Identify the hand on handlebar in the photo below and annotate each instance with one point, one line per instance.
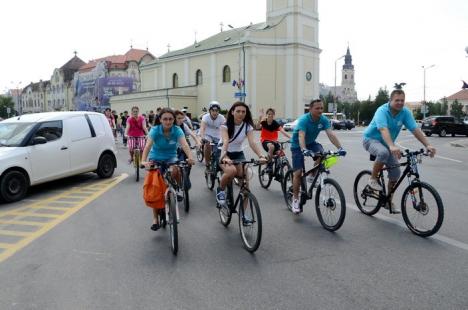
(190, 161)
(306, 152)
(341, 152)
(227, 160)
(263, 159)
(395, 151)
(431, 150)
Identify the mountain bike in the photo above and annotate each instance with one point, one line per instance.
(212, 169)
(279, 168)
(137, 152)
(421, 206)
(330, 203)
(247, 208)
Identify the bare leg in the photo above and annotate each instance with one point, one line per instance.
(376, 169)
(207, 153)
(296, 183)
(229, 172)
(155, 216)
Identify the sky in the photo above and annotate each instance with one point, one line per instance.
(390, 41)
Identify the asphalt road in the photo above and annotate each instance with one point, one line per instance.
(104, 256)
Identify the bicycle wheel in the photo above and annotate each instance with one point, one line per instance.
(172, 222)
(422, 209)
(330, 205)
(136, 162)
(367, 200)
(210, 178)
(288, 188)
(264, 177)
(225, 213)
(185, 188)
(250, 222)
(285, 167)
(200, 154)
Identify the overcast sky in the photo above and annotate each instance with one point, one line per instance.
(389, 40)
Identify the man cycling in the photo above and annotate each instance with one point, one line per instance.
(303, 143)
(210, 128)
(135, 131)
(381, 134)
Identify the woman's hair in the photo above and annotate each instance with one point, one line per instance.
(230, 118)
(179, 112)
(270, 110)
(135, 108)
(166, 110)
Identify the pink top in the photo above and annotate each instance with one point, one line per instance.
(135, 126)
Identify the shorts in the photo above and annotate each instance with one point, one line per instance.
(236, 156)
(265, 145)
(298, 157)
(163, 164)
(136, 142)
(383, 155)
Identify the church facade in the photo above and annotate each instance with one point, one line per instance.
(270, 64)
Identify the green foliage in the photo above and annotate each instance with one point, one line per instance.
(6, 102)
(457, 109)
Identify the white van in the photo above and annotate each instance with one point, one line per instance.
(41, 147)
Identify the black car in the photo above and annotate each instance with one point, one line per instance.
(443, 125)
(342, 124)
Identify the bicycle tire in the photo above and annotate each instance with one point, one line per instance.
(225, 214)
(136, 161)
(185, 191)
(200, 154)
(361, 190)
(285, 167)
(172, 223)
(264, 178)
(330, 205)
(410, 190)
(288, 188)
(255, 224)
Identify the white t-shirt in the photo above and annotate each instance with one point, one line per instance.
(213, 126)
(236, 144)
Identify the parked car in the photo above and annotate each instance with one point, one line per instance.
(443, 125)
(41, 147)
(342, 124)
(284, 121)
(465, 120)
(290, 126)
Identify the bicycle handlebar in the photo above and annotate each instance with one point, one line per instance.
(154, 165)
(323, 154)
(408, 153)
(243, 162)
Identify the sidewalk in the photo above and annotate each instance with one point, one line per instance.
(460, 143)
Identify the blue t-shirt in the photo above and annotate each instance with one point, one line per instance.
(383, 118)
(164, 148)
(311, 129)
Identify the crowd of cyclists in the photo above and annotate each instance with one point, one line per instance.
(163, 137)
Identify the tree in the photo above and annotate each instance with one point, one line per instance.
(382, 97)
(6, 102)
(444, 108)
(457, 109)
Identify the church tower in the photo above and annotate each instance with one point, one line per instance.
(348, 92)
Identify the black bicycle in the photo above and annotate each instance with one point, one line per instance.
(421, 205)
(246, 206)
(278, 169)
(211, 170)
(330, 203)
(200, 152)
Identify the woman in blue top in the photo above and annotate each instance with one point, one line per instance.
(162, 144)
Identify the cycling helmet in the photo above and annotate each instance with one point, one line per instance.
(214, 104)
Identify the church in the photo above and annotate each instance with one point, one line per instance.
(269, 64)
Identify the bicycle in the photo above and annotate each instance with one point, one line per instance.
(137, 152)
(200, 153)
(279, 169)
(170, 214)
(330, 203)
(211, 170)
(247, 208)
(369, 201)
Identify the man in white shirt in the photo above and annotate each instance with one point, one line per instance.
(210, 128)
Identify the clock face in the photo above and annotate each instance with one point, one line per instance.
(308, 76)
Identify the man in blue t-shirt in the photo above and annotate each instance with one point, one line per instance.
(303, 143)
(381, 134)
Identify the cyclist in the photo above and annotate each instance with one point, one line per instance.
(238, 127)
(187, 119)
(303, 143)
(180, 117)
(210, 128)
(135, 132)
(381, 134)
(162, 144)
(269, 134)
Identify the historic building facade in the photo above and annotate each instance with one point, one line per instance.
(270, 64)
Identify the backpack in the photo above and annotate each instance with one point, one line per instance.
(154, 189)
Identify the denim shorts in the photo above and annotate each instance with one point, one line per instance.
(298, 158)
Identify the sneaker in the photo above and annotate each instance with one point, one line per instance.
(295, 206)
(155, 227)
(247, 220)
(374, 184)
(180, 197)
(220, 196)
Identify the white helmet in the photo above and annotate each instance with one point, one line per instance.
(214, 104)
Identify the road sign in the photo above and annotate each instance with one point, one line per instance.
(8, 110)
(240, 95)
(331, 107)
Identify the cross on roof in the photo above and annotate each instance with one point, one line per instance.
(168, 47)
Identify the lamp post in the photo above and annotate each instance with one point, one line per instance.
(424, 89)
(243, 60)
(334, 96)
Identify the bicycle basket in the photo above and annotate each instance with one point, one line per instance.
(330, 161)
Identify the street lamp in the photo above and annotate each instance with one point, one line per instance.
(243, 59)
(424, 89)
(334, 97)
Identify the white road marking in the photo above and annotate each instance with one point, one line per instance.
(438, 237)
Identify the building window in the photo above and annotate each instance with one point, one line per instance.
(175, 80)
(199, 77)
(226, 74)
(345, 76)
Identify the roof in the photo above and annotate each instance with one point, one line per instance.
(461, 95)
(221, 39)
(117, 61)
(46, 116)
(71, 67)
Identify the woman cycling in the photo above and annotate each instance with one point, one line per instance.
(180, 118)
(135, 131)
(161, 147)
(238, 127)
(269, 134)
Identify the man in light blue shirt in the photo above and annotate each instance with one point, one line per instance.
(303, 143)
(381, 134)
